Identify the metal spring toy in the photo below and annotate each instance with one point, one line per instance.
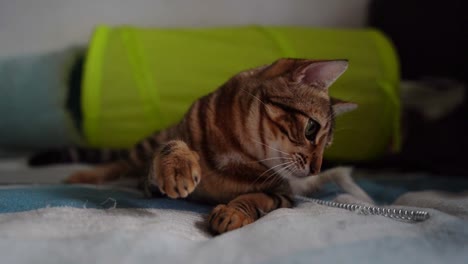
(404, 215)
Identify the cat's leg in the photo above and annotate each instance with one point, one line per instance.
(100, 174)
(245, 209)
(175, 169)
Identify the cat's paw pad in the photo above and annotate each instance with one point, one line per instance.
(176, 170)
(225, 218)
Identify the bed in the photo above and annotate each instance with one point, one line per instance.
(43, 221)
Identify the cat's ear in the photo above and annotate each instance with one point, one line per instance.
(340, 107)
(320, 74)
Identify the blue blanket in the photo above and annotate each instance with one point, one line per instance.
(88, 224)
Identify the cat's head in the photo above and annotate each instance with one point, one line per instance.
(291, 115)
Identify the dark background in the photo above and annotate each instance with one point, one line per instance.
(431, 38)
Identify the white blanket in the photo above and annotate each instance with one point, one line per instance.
(310, 233)
(36, 227)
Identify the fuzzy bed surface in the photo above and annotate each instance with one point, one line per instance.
(54, 223)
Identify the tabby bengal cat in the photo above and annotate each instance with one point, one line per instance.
(248, 146)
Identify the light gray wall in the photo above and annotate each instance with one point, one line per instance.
(42, 25)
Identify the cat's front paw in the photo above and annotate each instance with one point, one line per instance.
(225, 218)
(176, 170)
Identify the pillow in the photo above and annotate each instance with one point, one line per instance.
(33, 95)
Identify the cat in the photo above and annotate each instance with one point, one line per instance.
(247, 147)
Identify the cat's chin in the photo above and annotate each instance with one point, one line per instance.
(298, 176)
(306, 176)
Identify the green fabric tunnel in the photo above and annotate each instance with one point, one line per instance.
(138, 80)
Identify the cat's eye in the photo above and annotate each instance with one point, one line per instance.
(311, 130)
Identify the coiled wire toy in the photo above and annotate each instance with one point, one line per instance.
(404, 215)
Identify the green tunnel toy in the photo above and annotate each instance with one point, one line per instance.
(139, 80)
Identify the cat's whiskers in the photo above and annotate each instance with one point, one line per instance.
(274, 173)
(272, 176)
(295, 169)
(273, 158)
(276, 179)
(270, 147)
(291, 172)
(285, 168)
(272, 168)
